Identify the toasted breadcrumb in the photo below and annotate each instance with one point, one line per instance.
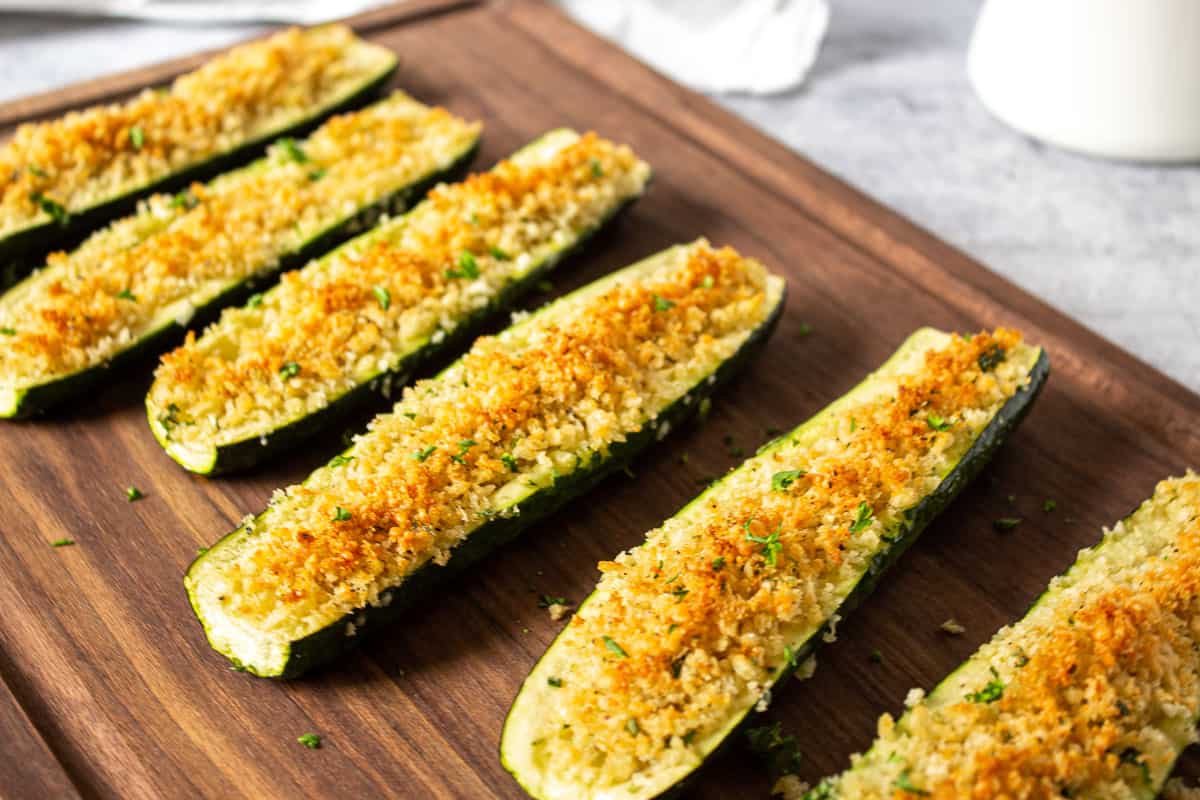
(707, 608)
(1094, 692)
(547, 398)
(102, 152)
(172, 257)
(345, 319)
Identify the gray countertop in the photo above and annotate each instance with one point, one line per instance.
(887, 107)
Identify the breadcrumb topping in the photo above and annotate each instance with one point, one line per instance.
(689, 630)
(346, 318)
(1092, 695)
(178, 253)
(90, 156)
(516, 413)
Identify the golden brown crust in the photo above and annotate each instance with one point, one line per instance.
(340, 319)
(690, 624)
(89, 303)
(88, 155)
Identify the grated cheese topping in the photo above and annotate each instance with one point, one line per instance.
(1092, 695)
(517, 412)
(90, 156)
(688, 631)
(178, 253)
(344, 319)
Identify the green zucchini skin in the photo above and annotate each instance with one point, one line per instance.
(252, 451)
(23, 250)
(331, 641)
(39, 398)
(973, 461)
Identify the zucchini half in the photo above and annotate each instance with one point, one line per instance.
(385, 303)
(62, 178)
(523, 423)
(687, 634)
(1093, 694)
(132, 287)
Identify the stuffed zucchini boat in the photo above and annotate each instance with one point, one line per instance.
(524, 422)
(61, 178)
(129, 288)
(1092, 695)
(686, 635)
(360, 320)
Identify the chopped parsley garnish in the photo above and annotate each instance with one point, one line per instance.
(498, 253)
(184, 199)
(778, 751)
(293, 150)
(992, 691)
(255, 300)
(468, 267)
(201, 551)
(597, 168)
(289, 370)
(1006, 523)
(463, 447)
(64, 542)
(770, 543)
(57, 212)
(508, 461)
(546, 601)
(383, 296)
(632, 727)
(804, 329)
(340, 514)
(137, 137)
(853, 424)
(555, 682)
(34, 169)
(938, 423)
(133, 494)
(1049, 505)
(317, 174)
(679, 593)
(662, 303)
(864, 518)
(614, 647)
(708, 282)
(310, 740)
(990, 359)
(125, 294)
(421, 455)
(780, 481)
(875, 656)
(905, 785)
(8, 331)
(1131, 755)
(718, 563)
(702, 410)
(340, 460)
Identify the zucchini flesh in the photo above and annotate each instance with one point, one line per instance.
(62, 178)
(686, 635)
(131, 287)
(384, 303)
(1093, 694)
(523, 423)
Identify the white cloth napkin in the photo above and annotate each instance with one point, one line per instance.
(755, 46)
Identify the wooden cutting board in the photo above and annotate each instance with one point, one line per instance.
(109, 688)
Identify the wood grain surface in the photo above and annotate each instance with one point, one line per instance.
(109, 689)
